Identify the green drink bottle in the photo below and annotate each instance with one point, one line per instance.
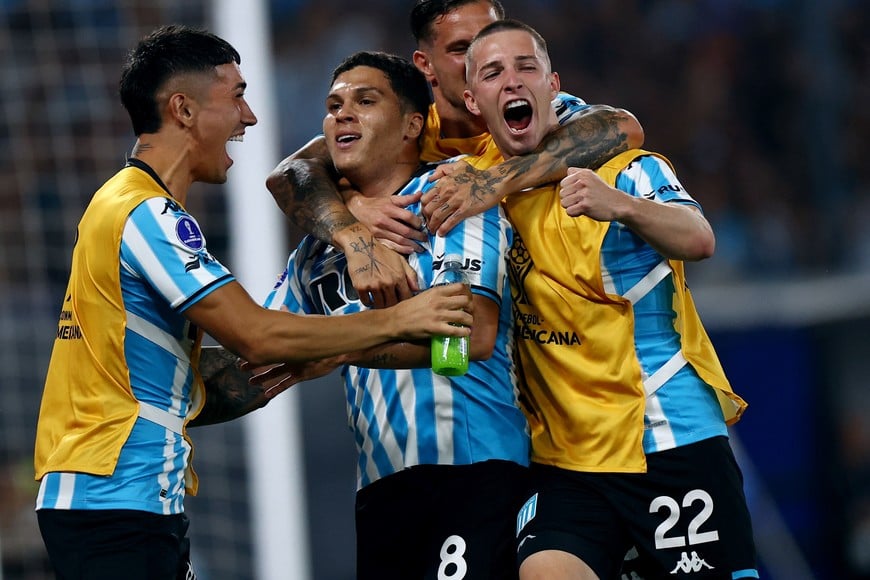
(450, 353)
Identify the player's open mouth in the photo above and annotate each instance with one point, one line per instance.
(518, 115)
(347, 138)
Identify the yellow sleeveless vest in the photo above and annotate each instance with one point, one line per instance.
(583, 389)
(88, 408)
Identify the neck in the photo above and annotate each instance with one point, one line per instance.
(456, 123)
(170, 164)
(382, 181)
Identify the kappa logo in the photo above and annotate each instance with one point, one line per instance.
(693, 564)
(523, 541)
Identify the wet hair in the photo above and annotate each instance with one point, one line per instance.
(406, 80)
(501, 26)
(167, 52)
(425, 12)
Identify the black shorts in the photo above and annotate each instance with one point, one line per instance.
(112, 544)
(686, 516)
(440, 522)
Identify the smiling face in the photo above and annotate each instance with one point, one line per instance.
(222, 114)
(372, 140)
(442, 57)
(510, 86)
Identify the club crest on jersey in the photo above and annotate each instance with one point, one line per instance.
(188, 233)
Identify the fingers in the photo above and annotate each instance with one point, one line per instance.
(411, 279)
(450, 222)
(443, 169)
(403, 246)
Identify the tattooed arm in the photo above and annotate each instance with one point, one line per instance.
(228, 394)
(305, 187)
(234, 388)
(597, 134)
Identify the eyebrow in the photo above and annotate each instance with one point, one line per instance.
(358, 91)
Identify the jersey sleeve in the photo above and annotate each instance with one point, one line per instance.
(288, 290)
(164, 245)
(567, 107)
(651, 177)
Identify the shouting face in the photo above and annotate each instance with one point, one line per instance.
(511, 86)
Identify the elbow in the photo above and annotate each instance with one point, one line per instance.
(631, 127)
(481, 350)
(276, 180)
(702, 247)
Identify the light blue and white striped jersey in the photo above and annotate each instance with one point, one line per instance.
(165, 268)
(684, 410)
(407, 417)
(567, 107)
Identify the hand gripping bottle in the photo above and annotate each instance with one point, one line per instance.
(450, 353)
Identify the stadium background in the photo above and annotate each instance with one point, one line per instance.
(761, 105)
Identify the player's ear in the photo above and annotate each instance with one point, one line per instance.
(424, 65)
(471, 103)
(182, 109)
(416, 122)
(555, 84)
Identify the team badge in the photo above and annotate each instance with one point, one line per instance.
(188, 233)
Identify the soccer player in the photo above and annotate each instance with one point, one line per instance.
(123, 383)
(304, 184)
(442, 460)
(626, 399)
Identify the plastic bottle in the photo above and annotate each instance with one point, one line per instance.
(450, 353)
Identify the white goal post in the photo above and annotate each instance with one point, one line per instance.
(273, 447)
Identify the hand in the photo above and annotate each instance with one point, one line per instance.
(459, 192)
(380, 276)
(439, 311)
(275, 379)
(583, 192)
(389, 220)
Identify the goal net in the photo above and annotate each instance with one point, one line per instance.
(63, 132)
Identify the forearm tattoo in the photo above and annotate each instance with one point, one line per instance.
(310, 200)
(228, 395)
(588, 141)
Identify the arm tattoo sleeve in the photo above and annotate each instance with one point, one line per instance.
(228, 395)
(587, 141)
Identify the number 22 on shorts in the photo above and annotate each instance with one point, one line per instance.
(694, 536)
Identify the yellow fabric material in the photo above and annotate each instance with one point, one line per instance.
(583, 391)
(88, 408)
(437, 148)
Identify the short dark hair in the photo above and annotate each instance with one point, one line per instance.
(425, 12)
(167, 52)
(406, 80)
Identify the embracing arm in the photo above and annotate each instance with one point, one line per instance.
(305, 187)
(594, 136)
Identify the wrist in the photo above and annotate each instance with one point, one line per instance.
(350, 234)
